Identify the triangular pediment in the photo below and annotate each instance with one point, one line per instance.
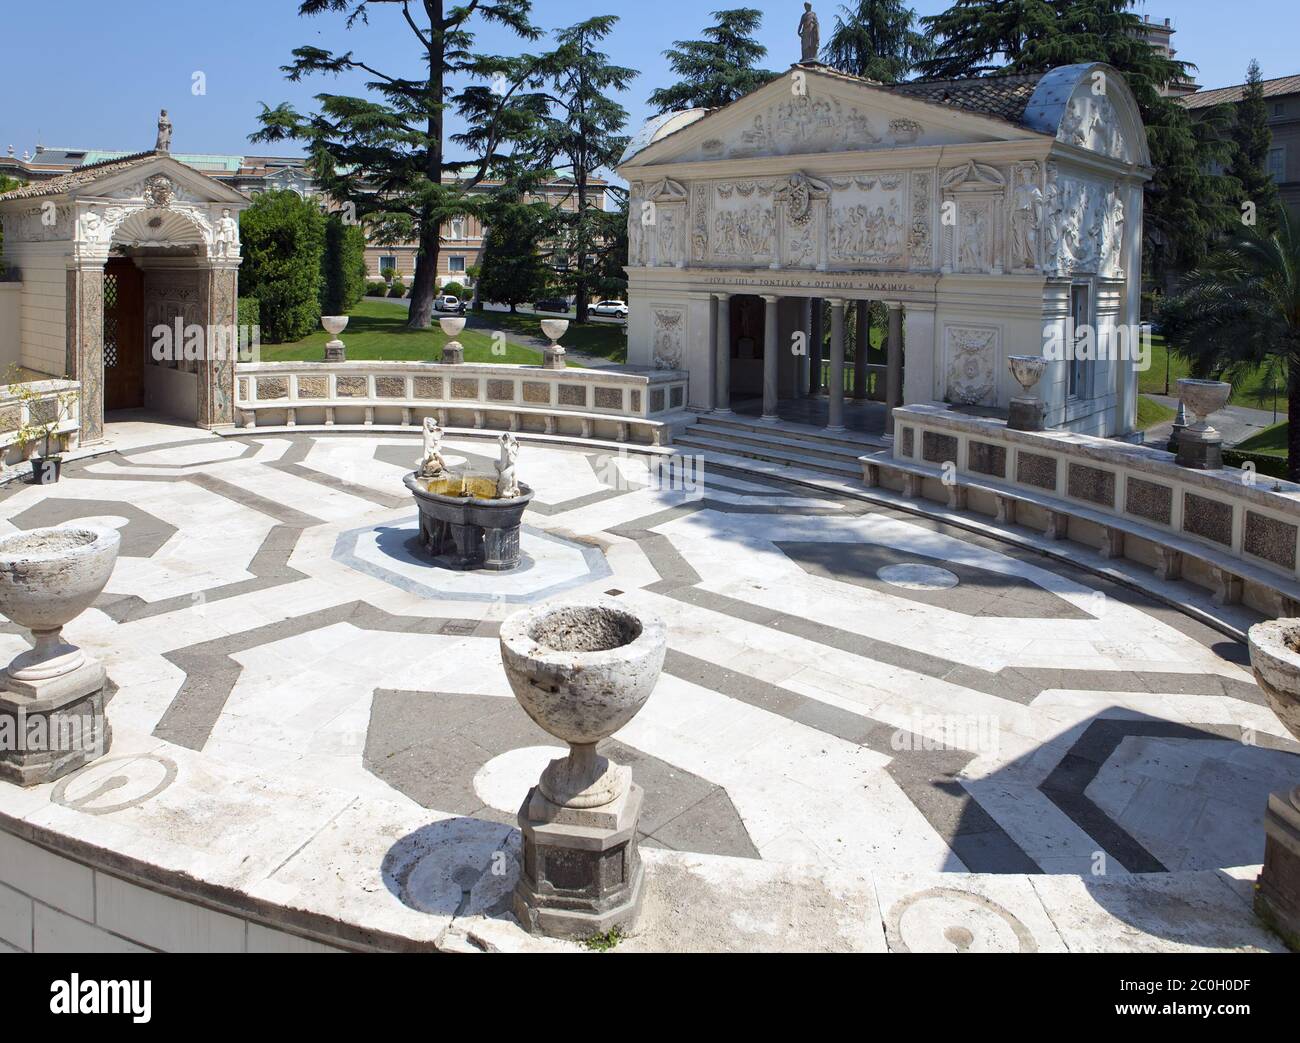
(133, 179)
(810, 112)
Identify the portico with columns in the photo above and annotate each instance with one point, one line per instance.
(968, 220)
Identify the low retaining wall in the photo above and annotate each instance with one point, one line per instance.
(618, 404)
(32, 403)
(1234, 515)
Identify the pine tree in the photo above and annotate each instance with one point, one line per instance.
(578, 137)
(876, 39)
(720, 68)
(1252, 140)
(385, 153)
(512, 270)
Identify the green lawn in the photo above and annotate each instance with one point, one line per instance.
(377, 330)
(1253, 392)
(603, 340)
(1271, 441)
(1151, 413)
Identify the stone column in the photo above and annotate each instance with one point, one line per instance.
(815, 349)
(84, 333)
(835, 420)
(893, 366)
(860, 349)
(1131, 258)
(722, 359)
(218, 293)
(771, 356)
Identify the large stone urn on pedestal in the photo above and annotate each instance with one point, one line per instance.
(581, 671)
(553, 355)
(52, 696)
(1028, 411)
(453, 353)
(1200, 446)
(334, 349)
(1275, 658)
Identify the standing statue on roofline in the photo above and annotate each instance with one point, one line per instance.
(164, 142)
(809, 35)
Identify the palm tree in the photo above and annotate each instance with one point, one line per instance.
(1240, 312)
(875, 39)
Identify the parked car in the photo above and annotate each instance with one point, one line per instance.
(551, 304)
(446, 302)
(614, 309)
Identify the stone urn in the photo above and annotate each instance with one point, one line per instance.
(48, 577)
(1275, 659)
(334, 349)
(554, 329)
(581, 671)
(1027, 411)
(453, 353)
(1200, 446)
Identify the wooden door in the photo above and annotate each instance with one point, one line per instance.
(124, 340)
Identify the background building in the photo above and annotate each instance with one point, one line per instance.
(463, 237)
(1282, 98)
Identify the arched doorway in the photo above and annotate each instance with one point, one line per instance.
(125, 341)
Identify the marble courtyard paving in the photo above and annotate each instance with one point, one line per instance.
(307, 714)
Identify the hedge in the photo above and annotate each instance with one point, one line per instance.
(1265, 463)
(398, 289)
(343, 266)
(283, 239)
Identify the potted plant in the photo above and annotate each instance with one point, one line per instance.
(42, 414)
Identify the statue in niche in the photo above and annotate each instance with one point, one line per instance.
(1026, 216)
(225, 241)
(809, 34)
(1054, 209)
(507, 480)
(431, 464)
(972, 241)
(164, 142)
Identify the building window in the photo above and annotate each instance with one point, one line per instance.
(455, 264)
(1277, 163)
(387, 262)
(1078, 331)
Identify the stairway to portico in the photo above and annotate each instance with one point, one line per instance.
(733, 440)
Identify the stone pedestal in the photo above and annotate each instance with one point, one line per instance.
(335, 351)
(553, 357)
(1277, 898)
(1026, 414)
(582, 871)
(1200, 450)
(51, 727)
(453, 354)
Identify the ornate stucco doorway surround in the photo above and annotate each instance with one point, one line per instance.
(179, 229)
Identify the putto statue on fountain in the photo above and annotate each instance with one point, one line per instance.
(507, 480)
(431, 464)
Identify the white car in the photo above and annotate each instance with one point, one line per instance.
(446, 302)
(614, 309)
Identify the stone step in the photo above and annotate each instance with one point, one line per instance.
(783, 443)
(739, 451)
(858, 441)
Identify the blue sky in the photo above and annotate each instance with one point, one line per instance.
(100, 85)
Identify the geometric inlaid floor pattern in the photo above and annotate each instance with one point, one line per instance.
(846, 685)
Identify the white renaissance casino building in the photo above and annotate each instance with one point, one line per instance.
(992, 216)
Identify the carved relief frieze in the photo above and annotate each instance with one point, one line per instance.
(669, 330)
(868, 225)
(804, 123)
(920, 235)
(744, 223)
(973, 353)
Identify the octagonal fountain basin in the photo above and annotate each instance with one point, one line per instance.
(582, 670)
(463, 525)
